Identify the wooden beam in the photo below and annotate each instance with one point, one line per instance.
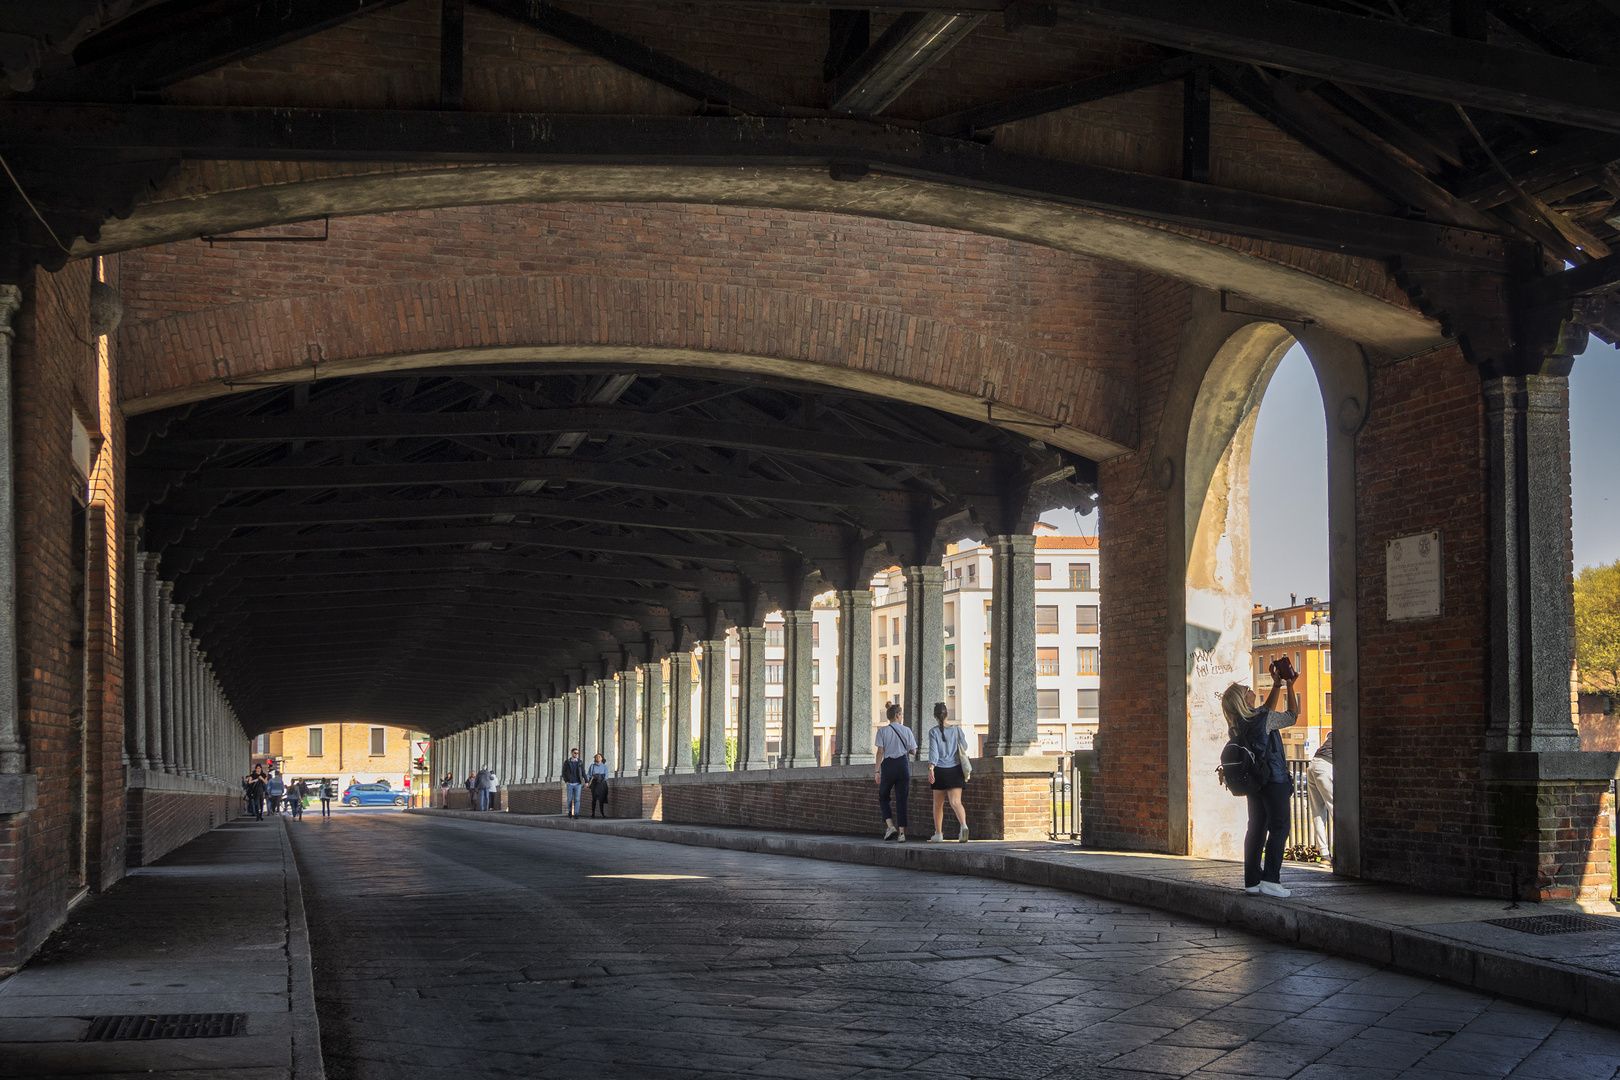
(1056, 98)
(417, 136)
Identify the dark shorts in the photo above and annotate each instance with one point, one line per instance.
(945, 779)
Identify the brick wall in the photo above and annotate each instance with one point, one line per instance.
(73, 733)
(159, 821)
(1129, 795)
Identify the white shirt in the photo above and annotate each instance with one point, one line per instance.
(895, 740)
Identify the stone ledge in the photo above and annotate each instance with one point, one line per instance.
(1564, 765)
(1523, 978)
(162, 781)
(1031, 765)
(19, 793)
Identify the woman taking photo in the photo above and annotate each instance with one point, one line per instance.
(1257, 729)
(945, 774)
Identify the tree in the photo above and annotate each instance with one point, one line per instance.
(1597, 627)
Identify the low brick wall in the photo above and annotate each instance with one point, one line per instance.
(628, 797)
(163, 811)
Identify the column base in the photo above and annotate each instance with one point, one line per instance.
(1550, 816)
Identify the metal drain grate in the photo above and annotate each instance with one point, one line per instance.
(1542, 925)
(164, 1026)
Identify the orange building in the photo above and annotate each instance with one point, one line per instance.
(1303, 632)
(343, 752)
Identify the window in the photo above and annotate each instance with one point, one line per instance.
(1086, 659)
(896, 635)
(1085, 619)
(317, 742)
(1327, 703)
(261, 744)
(773, 711)
(950, 620)
(883, 669)
(1043, 571)
(1256, 632)
(1327, 661)
(815, 633)
(773, 673)
(897, 670)
(736, 671)
(773, 633)
(1297, 666)
(1046, 619)
(1086, 703)
(987, 613)
(987, 662)
(1080, 576)
(1046, 662)
(1047, 706)
(815, 672)
(883, 632)
(815, 710)
(378, 744)
(950, 668)
(971, 568)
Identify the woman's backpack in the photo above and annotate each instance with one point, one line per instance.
(1238, 771)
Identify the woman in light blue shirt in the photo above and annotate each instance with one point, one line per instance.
(597, 778)
(946, 748)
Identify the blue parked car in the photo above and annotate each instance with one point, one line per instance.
(372, 795)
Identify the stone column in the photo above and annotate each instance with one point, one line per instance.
(1527, 440)
(165, 684)
(176, 683)
(543, 742)
(1013, 729)
(751, 699)
(152, 659)
(629, 695)
(529, 743)
(591, 719)
(608, 721)
(194, 702)
(715, 692)
(571, 703)
(798, 712)
(680, 713)
(135, 723)
(925, 646)
(852, 739)
(652, 719)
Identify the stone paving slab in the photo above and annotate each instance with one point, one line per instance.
(215, 926)
(1442, 937)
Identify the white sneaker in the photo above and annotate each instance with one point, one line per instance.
(1271, 888)
(1252, 890)
(937, 838)
(889, 831)
(963, 838)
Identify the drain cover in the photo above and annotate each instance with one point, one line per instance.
(1543, 925)
(164, 1026)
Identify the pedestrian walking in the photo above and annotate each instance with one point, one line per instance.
(573, 774)
(328, 793)
(1319, 786)
(494, 802)
(275, 789)
(481, 787)
(1257, 729)
(895, 743)
(597, 777)
(471, 784)
(946, 750)
(256, 794)
(297, 794)
(444, 790)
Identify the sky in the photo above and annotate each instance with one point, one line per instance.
(1288, 475)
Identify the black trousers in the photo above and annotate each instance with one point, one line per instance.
(895, 776)
(1268, 830)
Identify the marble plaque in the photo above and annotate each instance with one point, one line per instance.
(1413, 577)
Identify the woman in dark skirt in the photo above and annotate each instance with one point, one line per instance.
(946, 749)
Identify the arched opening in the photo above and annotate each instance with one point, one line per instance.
(1222, 522)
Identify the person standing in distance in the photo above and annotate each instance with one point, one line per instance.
(894, 742)
(1257, 729)
(1319, 786)
(945, 751)
(573, 774)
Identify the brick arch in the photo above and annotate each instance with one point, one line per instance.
(1348, 294)
(636, 321)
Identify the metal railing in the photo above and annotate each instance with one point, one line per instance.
(1302, 846)
(1070, 783)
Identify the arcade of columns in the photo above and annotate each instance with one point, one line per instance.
(619, 709)
(181, 722)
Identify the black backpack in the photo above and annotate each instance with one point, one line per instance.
(1238, 771)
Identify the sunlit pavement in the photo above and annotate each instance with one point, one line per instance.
(443, 946)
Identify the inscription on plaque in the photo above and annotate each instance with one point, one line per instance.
(1413, 576)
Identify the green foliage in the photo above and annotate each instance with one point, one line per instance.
(1597, 626)
(731, 752)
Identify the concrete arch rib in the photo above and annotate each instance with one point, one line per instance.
(193, 356)
(1339, 307)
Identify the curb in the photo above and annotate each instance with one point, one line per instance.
(307, 1063)
(1544, 983)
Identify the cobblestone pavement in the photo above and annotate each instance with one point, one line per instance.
(450, 946)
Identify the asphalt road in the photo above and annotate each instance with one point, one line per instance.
(460, 948)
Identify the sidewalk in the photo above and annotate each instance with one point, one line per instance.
(1442, 937)
(216, 927)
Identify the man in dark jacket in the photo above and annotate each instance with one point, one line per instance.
(573, 775)
(256, 795)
